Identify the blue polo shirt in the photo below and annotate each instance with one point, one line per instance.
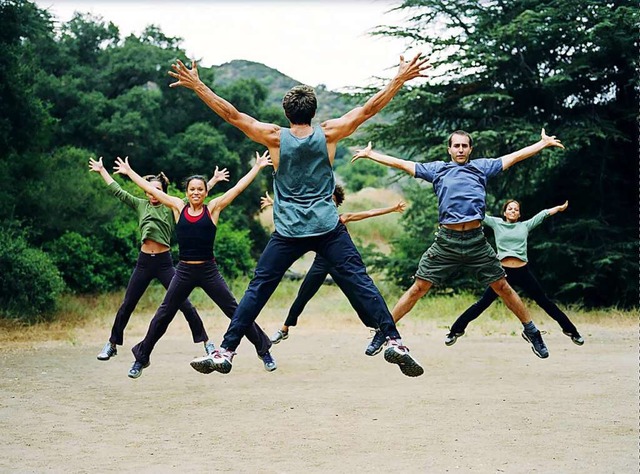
(461, 189)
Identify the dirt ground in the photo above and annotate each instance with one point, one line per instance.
(486, 404)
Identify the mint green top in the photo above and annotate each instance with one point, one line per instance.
(155, 222)
(511, 238)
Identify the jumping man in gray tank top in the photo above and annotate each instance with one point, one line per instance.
(305, 217)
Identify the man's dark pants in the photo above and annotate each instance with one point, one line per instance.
(348, 271)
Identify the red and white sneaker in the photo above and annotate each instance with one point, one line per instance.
(399, 355)
(218, 361)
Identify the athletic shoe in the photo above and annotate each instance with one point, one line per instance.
(451, 338)
(209, 348)
(269, 362)
(219, 361)
(399, 355)
(108, 351)
(576, 338)
(279, 335)
(136, 369)
(203, 364)
(378, 341)
(537, 344)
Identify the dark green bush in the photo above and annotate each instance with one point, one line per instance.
(233, 252)
(30, 283)
(86, 266)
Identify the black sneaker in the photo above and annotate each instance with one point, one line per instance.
(576, 338)
(108, 351)
(269, 362)
(451, 338)
(537, 344)
(136, 369)
(399, 355)
(377, 343)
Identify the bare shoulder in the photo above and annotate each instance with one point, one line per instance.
(331, 130)
(272, 134)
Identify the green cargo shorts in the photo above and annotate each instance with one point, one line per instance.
(465, 250)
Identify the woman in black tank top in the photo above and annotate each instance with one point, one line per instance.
(196, 224)
(154, 259)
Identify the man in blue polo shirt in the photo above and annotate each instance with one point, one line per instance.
(460, 187)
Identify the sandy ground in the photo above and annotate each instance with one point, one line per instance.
(486, 404)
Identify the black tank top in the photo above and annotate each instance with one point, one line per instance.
(196, 235)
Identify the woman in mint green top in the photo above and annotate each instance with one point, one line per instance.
(511, 237)
(156, 223)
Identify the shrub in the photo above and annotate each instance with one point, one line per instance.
(85, 266)
(30, 284)
(233, 252)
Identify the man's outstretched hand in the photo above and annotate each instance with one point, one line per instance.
(186, 77)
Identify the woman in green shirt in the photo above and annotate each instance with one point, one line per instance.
(156, 223)
(511, 243)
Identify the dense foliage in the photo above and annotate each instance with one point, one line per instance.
(503, 70)
(81, 90)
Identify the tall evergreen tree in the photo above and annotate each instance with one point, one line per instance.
(504, 69)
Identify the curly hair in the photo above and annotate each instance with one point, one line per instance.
(338, 195)
(300, 104)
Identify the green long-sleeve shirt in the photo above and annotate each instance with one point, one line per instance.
(511, 238)
(155, 222)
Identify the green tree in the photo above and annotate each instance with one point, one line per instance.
(502, 70)
(366, 174)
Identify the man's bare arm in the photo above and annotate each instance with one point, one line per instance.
(264, 133)
(337, 129)
(408, 167)
(524, 153)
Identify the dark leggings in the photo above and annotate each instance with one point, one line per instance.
(148, 267)
(187, 277)
(312, 282)
(523, 278)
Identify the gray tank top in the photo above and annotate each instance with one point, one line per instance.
(303, 186)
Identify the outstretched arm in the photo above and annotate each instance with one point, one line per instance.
(218, 175)
(562, 208)
(123, 167)
(218, 204)
(404, 165)
(266, 134)
(98, 167)
(337, 129)
(358, 216)
(545, 141)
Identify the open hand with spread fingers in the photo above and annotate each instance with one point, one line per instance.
(363, 153)
(550, 140)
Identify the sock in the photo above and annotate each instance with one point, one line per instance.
(529, 327)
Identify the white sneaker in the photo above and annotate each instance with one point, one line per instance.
(279, 335)
(399, 355)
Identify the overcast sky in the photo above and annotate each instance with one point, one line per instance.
(312, 41)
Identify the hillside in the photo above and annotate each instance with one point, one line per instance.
(330, 104)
